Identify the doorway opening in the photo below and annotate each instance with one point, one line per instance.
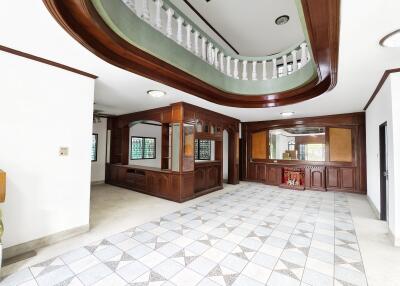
(383, 170)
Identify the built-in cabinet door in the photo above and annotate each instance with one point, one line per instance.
(252, 172)
(274, 176)
(340, 179)
(332, 178)
(315, 178)
(347, 178)
(261, 172)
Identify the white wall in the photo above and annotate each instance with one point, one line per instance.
(147, 130)
(385, 108)
(225, 165)
(42, 109)
(98, 167)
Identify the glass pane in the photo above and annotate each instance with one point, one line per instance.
(149, 148)
(297, 143)
(94, 147)
(205, 150)
(136, 148)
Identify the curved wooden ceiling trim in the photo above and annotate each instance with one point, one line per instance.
(81, 20)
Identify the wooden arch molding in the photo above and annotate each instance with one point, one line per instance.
(81, 20)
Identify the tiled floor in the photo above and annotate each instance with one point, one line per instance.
(250, 235)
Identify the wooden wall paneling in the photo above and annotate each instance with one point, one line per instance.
(333, 176)
(125, 145)
(165, 146)
(340, 144)
(259, 145)
(186, 186)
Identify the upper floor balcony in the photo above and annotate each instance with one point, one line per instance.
(154, 38)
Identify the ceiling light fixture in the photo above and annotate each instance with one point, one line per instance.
(391, 40)
(282, 20)
(156, 93)
(287, 113)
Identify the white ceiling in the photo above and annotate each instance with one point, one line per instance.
(249, 27)
(27, 26)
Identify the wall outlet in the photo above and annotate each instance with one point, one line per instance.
(63, 151)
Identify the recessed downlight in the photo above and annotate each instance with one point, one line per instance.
(282, 20)
(287, 113)
(156, 93)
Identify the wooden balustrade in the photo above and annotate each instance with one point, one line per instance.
(210, 52)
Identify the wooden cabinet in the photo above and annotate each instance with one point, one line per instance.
(207, 176)
(257, 172)
(315, 178)
(274, 176)
(340, 179)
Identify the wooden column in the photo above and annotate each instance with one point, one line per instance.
(233, 160)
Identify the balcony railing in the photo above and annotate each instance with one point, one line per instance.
(168, 21)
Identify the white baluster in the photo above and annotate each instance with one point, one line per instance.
(244, 70)
(170, 13)
(294, 61)
(303, 60)
(308, 55)
(145, 11)
(196, 43)
(179, 37)
(188, 37)
(285, 68)
(236, 68)
(159, 4)
(131, 4)
(210, 53)
(216, 62)
(221, 62)
(203, 48)
(228, 66)
(274, 69)
(264, 68)
(254, 73)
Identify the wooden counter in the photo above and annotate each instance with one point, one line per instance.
(149, 180)
(207, 176)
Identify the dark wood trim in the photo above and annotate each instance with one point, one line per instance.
(388, 36)
(379, 86)
(45, 61)
(209, 25)
(81, 20)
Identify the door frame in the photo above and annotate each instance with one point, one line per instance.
(383, 169)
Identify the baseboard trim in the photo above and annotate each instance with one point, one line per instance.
(94, 183)
(32, 245)
(395, 240)
(373, 207)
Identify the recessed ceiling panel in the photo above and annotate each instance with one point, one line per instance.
(247, 26)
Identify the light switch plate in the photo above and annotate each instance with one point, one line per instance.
(64, 151)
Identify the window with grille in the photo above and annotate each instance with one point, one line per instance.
(94, 147)
(202, 150)
(143, 148)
